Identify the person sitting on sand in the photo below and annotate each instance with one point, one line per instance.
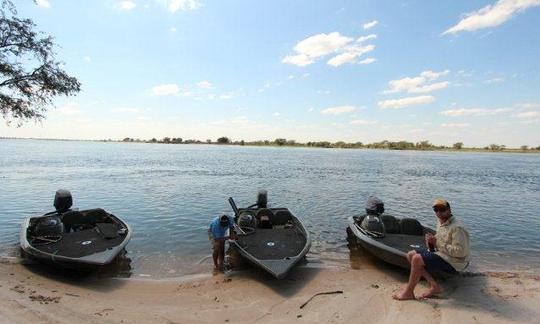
(448, 252)
(216, 233)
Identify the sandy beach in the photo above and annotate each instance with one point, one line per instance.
(31, 293)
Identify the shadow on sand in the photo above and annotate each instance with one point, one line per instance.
(287, 287)
(103, 279)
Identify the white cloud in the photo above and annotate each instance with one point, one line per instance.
(276, 114)
(528, 114)
(365, 38)
(205, 85)
(494, 80)
(165, 89)
(368, 60)
(455, 125)
(491, 15)
(528, 105)
(43, 3)
(370, 24)
(361, 122)
(126, 5)
(350, 56)
(315, 47)
(474, 112)
(172, 29)
(87, 59)
(175, 5)
(430, 87)
(342, 59)
(419, 84)
(338, 110)
(405, 102)
(299, 60)
(434, 75)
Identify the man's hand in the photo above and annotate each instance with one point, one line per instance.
(431, 241)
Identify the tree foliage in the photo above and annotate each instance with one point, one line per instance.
(223, 140)
(30, 75)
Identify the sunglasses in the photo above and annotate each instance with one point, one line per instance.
(439, 209)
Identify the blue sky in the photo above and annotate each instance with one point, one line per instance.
(443, 71)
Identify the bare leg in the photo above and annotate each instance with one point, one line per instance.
(221, 254)
(434, 288)
(215, 253)
(417, 269)
(410, 254)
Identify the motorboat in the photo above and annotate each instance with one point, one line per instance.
(387, 237)
(81, 240)
(272, 239)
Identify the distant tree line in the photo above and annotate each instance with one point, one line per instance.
(389, 145)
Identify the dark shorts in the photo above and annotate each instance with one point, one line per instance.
(434, 263)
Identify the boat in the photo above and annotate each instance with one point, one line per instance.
(272, 239)
(82, 240)
(387, 237)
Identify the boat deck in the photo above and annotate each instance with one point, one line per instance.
(402, 242)
(81, 243)
(273, 244)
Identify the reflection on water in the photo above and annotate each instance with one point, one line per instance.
(169, 194)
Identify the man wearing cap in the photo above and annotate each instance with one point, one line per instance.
(216, 233)
(448, 252)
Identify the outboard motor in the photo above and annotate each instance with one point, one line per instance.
(62, 201)
(247, 219)
(373, 223)
(49, 226)
(262, 199)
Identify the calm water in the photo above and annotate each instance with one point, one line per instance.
(169, 193)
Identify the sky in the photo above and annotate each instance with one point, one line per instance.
(446, 71)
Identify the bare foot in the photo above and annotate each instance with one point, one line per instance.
(216, 271)
(404, 295)
(434, 290)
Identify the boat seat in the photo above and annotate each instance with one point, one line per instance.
(74, 219)
(391, 224)
(281, 217)
(411, 226)
(109, 230)
(99, 215)
(264, 218)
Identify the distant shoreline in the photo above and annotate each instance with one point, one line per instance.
(384, 145)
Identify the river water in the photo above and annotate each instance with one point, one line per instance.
(169, 194)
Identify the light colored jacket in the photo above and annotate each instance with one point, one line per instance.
(453, 243)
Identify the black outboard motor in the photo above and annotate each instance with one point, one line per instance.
(50, 225)
(62, 201)
(262, 199)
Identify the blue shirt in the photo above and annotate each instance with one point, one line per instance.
(219, 231)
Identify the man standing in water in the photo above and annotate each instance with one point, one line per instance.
(216, 233)
(448, 251)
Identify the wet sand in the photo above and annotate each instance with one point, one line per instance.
(32, 293)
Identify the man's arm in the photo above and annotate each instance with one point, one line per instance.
(460, 243)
